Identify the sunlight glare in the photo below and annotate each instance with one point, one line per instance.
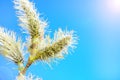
(113, 6)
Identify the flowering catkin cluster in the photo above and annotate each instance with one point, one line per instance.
(44, 48)
(40, 45)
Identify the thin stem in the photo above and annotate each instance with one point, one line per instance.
(33, 50)
(27, 66)
(20, 66)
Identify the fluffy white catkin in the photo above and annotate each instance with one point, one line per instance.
(29, 18)
(56, 48)
(11, 46)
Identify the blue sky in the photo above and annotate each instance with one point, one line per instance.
(97, 24)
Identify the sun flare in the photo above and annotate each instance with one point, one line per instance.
(113, 6)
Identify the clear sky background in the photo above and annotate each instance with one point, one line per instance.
(97, 24)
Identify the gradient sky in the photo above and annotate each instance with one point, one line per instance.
(97, 24)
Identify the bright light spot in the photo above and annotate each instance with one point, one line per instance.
(113, 6)
(108, 13)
